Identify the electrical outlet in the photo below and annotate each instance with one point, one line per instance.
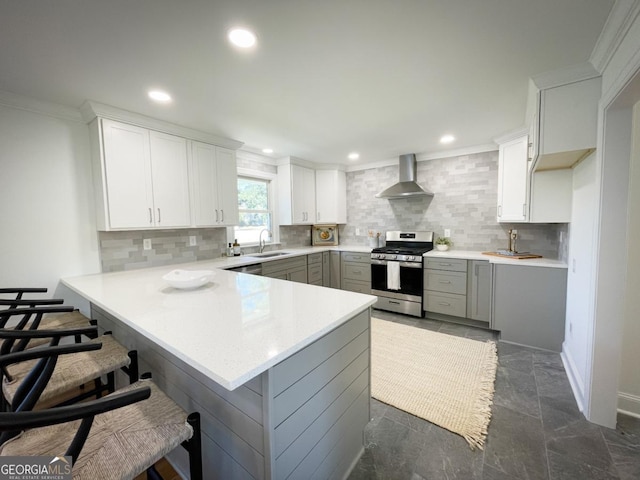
(447, 233)
(192, 241)
(146, 244)
(357, 232)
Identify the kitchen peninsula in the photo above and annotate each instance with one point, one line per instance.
(278, 370)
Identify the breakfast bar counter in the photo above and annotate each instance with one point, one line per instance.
(278, 370)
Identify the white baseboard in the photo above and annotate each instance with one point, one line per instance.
(629, 404)
(574, 379)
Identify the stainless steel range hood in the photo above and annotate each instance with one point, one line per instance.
(406, 186)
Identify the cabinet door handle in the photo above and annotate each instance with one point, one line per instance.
(222, 215)
(318, 216)
(150, 216)
(217, 218)
(159, 217)
(524, 206)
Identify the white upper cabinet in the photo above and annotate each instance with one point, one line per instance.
(125, 183)
(214, 185)
(513, 180)
(564, 123)
(144, 181)
(170, 180)
(331, 196)
(296, 195)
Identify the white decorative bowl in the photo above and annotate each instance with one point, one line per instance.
(442, 248)
(186, 279)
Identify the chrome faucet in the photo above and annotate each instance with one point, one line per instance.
(262, 244)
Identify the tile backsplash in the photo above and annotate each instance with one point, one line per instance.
(124, 250)
(465, 198)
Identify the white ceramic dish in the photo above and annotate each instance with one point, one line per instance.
(187, 279)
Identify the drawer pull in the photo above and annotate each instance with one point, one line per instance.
(357, 272)
(444, 264)
(444, 304)
(395, 303)
(445, 282)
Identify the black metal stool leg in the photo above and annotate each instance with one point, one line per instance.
(152, 473)
(194, 447)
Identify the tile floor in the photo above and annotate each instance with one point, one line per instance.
(536, 431)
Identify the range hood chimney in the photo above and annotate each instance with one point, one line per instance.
(406, 186)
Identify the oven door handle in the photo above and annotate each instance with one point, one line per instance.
(375, 261)
(410, 264)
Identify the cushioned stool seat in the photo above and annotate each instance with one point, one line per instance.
(121, 444)
(71, 371)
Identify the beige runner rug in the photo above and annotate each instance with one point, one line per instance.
(444, 379)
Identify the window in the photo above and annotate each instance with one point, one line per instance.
(254, 209)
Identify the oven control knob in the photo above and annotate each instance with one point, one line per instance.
(392, 257)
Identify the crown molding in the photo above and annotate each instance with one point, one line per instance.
(295, 161)
(90, 110)
(563, 76)
(255, 157)
(33, 105)
(511, 135)
(623, 14)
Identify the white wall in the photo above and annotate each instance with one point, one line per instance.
(629, 389)
(578, 324)
(46, 202)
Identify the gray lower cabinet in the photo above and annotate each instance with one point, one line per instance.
(529, 305)
(326, 269)
(292, 269)
(445, 287)
(356, 272)
(479, 290)
(314, 268)
(334, 267)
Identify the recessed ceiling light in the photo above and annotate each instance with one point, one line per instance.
(159, 96)
(447, 139)
(354, 156)
(242, 37)
(267, 150)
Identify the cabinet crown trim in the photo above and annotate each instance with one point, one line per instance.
(90, 110)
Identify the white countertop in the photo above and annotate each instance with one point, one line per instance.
(233, 328)
(250, 259)
(474, 255)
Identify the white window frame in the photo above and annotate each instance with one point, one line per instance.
(272, 178)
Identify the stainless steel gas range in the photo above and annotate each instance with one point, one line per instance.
(397, 274)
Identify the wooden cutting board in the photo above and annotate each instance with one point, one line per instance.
(516, 256)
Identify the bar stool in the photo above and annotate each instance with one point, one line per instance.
(118, 437)
(71, 372)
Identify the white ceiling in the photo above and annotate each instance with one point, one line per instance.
(380, 77)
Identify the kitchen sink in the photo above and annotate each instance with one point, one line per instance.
(268, 254)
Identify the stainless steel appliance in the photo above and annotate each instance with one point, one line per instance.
(397, 272)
